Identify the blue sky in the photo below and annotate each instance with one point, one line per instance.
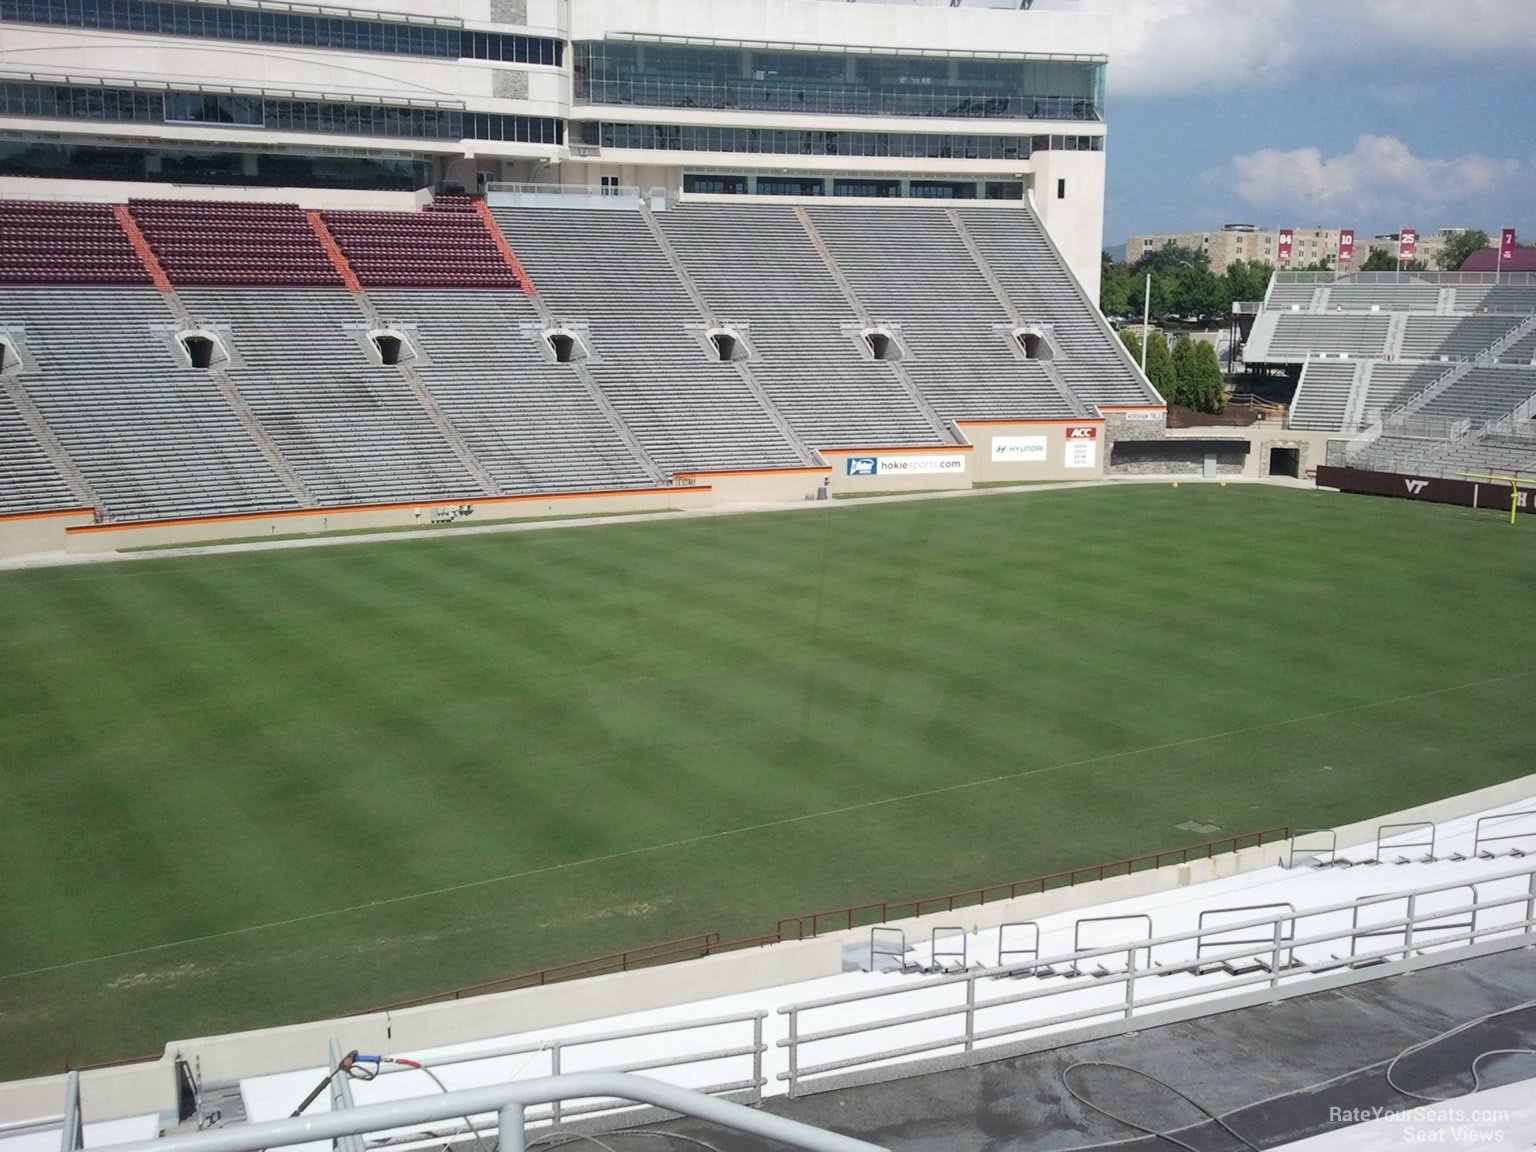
(1371, 114)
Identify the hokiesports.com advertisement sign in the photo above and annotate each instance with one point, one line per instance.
(1082, 446)
(1020, 450)
(925, 464)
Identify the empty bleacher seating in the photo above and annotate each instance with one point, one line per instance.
(1284, 294)
(1493, 454)
(955, 328)
(1483, 394)
(1521, 351)
(531, 423)
(352, 430)
(47, 242)
(1300, 334)
(29, 482)
(1322, 396)
(757, 267)
(1037, 280)
(604, 267)
(153, 437)
(1519, 298)
(1391, 385)
(1453, 337)
(446, 246)
(215, 242)
(1366, 295)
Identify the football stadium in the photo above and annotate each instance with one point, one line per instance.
(578, 572)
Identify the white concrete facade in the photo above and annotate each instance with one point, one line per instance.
(1044, 133)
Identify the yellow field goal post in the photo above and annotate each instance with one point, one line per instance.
(1513, 479)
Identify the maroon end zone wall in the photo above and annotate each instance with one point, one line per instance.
(1433, 489)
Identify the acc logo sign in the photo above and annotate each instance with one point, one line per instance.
(863, 465)
(1415, 486)
(1082, 433)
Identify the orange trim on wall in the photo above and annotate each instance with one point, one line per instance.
(141, 247)
(507, 254)
(1133, 408)
(900, 451)
(1052, 420)
(8, 516)
(328, 242)
(753, 472)
(295, 513)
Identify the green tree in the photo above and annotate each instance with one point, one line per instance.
(1210, 385)
(1160, 368)
(1385, 260)
(1248, 280)
(1170, 258)
(1132, 342)
(1185, 392)
(1459, 247)
(1114, 287)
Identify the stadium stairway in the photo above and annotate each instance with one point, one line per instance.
(955, 335)
(36, 474)
(760, 274)
(1021, 257)
(601, 271)
(742, 365)
(1014, 315)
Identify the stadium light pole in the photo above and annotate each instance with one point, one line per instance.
(1146, 322)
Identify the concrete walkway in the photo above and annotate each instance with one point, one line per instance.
(58, 559)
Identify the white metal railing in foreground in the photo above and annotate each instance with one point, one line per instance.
(1281, 974)
(746, 1055)
(509, 1103)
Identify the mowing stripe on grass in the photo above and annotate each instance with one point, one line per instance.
(749, 828)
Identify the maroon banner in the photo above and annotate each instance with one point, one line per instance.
(1287, 242)
(1347, 246)
(1467, 493)
(1507, 245)
(1408, 244)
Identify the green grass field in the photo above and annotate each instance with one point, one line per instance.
(249, 789)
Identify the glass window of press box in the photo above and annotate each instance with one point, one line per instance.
(64, 161)
(789, 142)
(64, 102)
(699, 76)
(223, 21)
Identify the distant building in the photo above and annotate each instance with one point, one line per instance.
(1308, 245)
(1243, 242)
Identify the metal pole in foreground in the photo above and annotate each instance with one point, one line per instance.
(508, 1101)
(1146, 322)
(512, 1125)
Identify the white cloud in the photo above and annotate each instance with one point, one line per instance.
(1380, 175)
(1174, 46)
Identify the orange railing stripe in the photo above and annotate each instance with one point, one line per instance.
(141, 246)
(503, 247)
(328, 242)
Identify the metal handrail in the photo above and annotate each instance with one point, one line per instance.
(509, 1102)
(558, 1046)
(1278, 942)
